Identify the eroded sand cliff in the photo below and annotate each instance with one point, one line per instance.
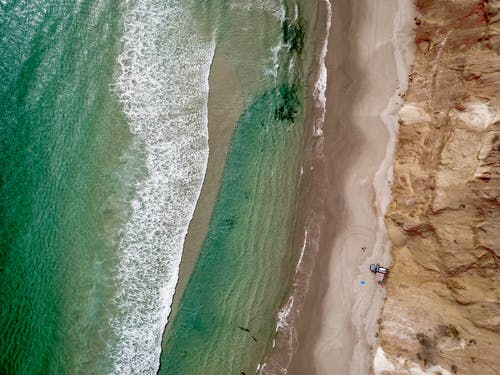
(442, 313)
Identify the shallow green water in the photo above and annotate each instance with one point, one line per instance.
(243, 267)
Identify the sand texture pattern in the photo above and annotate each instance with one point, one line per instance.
(442, 313)
(370, 51)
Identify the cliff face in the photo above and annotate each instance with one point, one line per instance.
(443, 294)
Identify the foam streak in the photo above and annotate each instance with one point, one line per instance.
(320, 86)
(163, 87)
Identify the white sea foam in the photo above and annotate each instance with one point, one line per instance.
(275, 7)
(273, 70)
(320, 86)
(163, 87)
(284, 313)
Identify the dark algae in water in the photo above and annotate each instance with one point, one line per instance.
(293, 35)
(227, 314)
(287, 103)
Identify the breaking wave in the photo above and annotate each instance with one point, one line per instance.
(163, 87)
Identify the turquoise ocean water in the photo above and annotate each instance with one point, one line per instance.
(104, 146)
(62, 136)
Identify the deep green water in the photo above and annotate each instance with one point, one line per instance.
(61, 134)
(102, 147)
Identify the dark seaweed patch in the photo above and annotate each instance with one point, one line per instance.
(228, 222)
(293, 35)
(278, 105)
(287, 103)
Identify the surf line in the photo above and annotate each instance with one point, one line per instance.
(164, 57)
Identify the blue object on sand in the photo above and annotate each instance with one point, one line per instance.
(363, 282)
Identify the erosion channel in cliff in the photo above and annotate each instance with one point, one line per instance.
(442, 312)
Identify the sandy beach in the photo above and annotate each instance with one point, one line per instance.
(369, 55)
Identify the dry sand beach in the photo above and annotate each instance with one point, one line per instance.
(368, 61)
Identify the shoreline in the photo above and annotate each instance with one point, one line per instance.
(339, 314)
(309, 215)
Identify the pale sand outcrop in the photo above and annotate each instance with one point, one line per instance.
(442, 313)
